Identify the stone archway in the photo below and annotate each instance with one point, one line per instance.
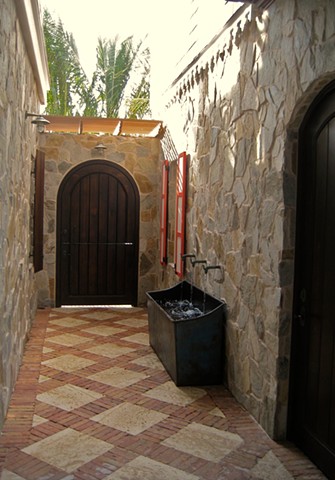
(138, 156)
(287, 263)
(97, 236)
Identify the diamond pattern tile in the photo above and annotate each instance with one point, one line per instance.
(133, 322)
(6, 475)
(68, 339)
(146, 469)
(142, 338)
(68, 397)
(150, 361)
(168, 392)
(118, 377)
(270, 467)
(110, 350)
(68, 449)
(103, 330)
(129, 418)
(93, 401)
(37, 420)
(98, 315)
(205, 442)
(68, 322)
(68, 363)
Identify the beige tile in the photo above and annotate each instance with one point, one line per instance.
(133, 322)
(68, 322)
(68, 449)
(37, 420)
(270, 467)
(99, 315)
(143, 468)
(118, 377)
(103, 330)
(68, 339)
(68, 397)
(129, 418)
(6, 475)
(141, 338)
(126, 309)
(63, 310)
(43, 378)
(110, 350)
(149, 361)
(205, 442)
(168, 392)
(47, 350)
(68, 363)
(217, 412)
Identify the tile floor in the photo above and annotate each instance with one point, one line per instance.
(93, 402)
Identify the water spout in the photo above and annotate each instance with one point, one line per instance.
(198, 261)
(210, 267)
(187, 255)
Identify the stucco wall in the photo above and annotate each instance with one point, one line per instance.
(140, 157)
(17, 145)
(239, 109)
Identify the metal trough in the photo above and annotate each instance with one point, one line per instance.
(191, 350)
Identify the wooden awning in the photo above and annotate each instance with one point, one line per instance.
(111, 126)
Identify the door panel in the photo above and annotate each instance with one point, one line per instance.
(97, 236)
(313, 341)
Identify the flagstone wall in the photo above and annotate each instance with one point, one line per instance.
(239, 108)
(17, 147)
(140, 157)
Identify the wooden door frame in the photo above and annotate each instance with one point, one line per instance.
(66, 178)
(303, 180)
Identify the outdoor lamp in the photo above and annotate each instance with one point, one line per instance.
(100, 148)
(40, 121)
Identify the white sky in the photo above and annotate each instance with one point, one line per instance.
(88, 20)
(165, 22)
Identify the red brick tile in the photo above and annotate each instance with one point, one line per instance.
(18, 431)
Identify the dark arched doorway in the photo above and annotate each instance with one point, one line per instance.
(97, 236)
(312, 386)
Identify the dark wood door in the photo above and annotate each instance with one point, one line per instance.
(313, 352)
(97, 236)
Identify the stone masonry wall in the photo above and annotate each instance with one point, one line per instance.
(140, 157)
(241, 107)
(17, 146)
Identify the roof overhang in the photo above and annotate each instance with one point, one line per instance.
(111, 126)
(29, 16)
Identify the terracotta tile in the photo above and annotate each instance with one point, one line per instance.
(111, 397)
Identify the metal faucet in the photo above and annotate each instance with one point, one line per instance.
(197, 261)
(210, 267)
(187, 255)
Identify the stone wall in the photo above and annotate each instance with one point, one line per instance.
(241, 105)
(17, 147)
(140, 157)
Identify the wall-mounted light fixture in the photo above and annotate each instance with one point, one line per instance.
(40, 121)
(100, 148)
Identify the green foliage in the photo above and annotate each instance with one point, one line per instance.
(69, 87)
(138, 104)
(120, 78)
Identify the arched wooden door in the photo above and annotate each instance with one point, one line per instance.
(313, 343)
(97, 236)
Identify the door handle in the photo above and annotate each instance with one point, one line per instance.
(300, 319)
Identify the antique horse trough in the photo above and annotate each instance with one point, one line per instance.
(186, 330)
